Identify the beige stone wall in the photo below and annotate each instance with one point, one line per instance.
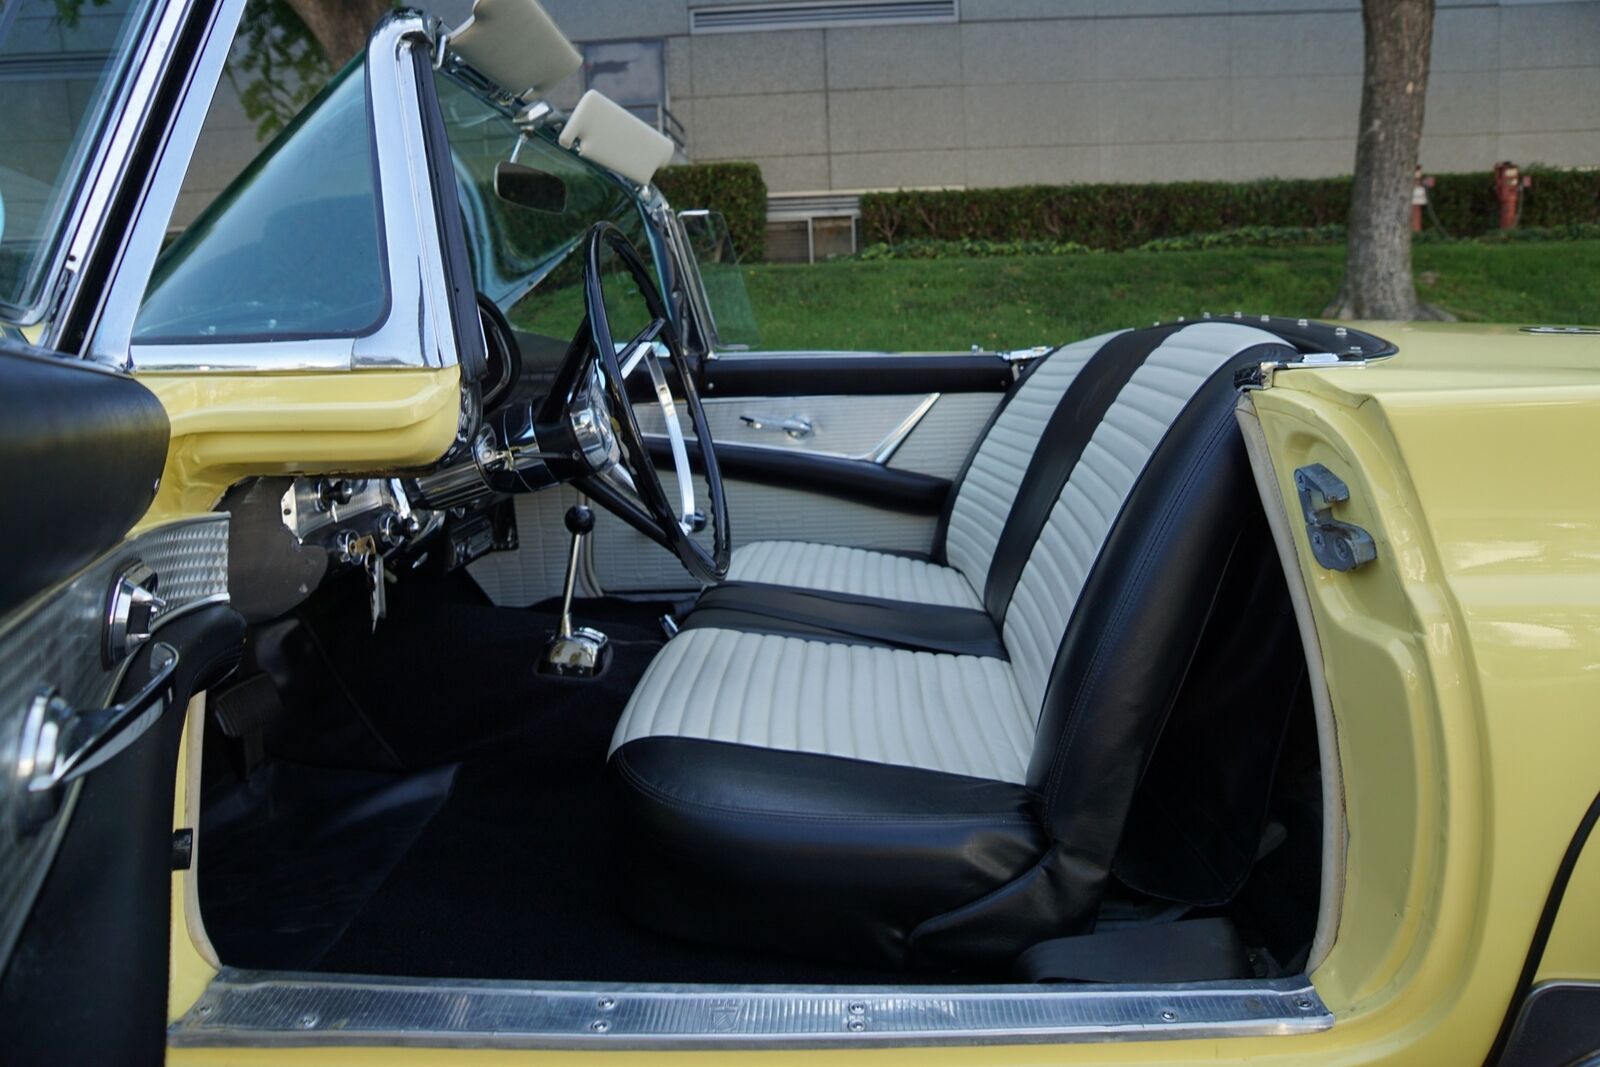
(1052, 91)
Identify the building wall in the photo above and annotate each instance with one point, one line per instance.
(1022, 91)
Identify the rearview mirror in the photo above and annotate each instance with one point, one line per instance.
(529, 187)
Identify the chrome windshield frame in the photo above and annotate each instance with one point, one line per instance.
(418, 331)
(84, 224)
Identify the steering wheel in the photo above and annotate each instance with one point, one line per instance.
(589, 412)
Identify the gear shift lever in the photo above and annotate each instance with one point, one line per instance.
(578, 652)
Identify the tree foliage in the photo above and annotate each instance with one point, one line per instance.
(285, 52)
(277, 66)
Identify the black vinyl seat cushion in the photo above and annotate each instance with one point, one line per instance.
(758, 846)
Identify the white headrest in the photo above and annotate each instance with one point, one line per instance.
(607, 134)
(514, 44)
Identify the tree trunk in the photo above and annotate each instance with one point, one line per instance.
(341, 27)
(1377, 275)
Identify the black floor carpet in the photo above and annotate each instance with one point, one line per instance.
(294, 853)
(515, 875)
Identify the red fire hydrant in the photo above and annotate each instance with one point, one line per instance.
(1509, 184)
(1419, 197)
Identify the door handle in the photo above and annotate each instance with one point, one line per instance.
(797, 427)
(60, 743)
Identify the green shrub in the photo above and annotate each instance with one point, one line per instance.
(1577, 231)
(1243, 237)
(925, 249)
(1249, 236)
(1121, 216)
(735, 189)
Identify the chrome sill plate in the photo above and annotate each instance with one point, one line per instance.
(259, 1008)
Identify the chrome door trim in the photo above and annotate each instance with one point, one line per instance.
(418, 331)
(113, 326)
(243, 1008)
(419, 323)
(897, 436)
(86, 222)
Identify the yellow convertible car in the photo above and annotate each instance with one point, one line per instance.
(423, 630)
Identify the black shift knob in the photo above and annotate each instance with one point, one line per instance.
(580, 520)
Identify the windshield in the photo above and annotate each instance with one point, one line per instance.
(297, 234)
(63, 63)
(524, 257)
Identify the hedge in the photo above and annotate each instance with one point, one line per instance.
(1244, 237)
(1121, 216)
(928, 249)
(735, 189)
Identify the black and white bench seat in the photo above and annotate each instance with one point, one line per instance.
(866, 755)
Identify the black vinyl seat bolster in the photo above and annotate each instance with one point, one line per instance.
(820, 615)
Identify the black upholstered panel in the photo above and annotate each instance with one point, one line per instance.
(821, 615)
(81, 449)
(812, 854)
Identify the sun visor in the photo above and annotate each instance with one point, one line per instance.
(514, 44)
(604, 132)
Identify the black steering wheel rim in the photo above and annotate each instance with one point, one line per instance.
(656, 518)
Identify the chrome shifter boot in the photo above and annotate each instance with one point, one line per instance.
(579, 652)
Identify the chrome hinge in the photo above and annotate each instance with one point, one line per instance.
(1338, 546)
(1259, 376)
(1019, 358)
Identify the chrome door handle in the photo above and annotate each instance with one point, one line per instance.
(60, 743)
(797, 427)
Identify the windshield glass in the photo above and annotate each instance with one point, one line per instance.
(63, 63)
(297, 235)
(524, 254)
(710, 243)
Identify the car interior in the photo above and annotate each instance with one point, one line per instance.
(1081, 707)
(878, 668)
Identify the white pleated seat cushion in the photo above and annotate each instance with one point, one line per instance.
(855, 571)
(957, 714)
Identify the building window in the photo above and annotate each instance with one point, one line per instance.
(634, 74)
(812, 227)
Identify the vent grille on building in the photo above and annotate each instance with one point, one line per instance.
(818, 14)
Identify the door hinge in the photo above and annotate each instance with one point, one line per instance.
(1338, 546)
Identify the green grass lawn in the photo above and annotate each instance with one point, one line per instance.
(1012, 303)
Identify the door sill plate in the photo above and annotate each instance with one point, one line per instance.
(261, 1008)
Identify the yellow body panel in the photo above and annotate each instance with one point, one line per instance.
(229, 426)
(1464, 670)
(1574, 950)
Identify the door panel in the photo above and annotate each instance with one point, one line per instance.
(938, 445)
(84, 863)
(854, 427)
(86, 981)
